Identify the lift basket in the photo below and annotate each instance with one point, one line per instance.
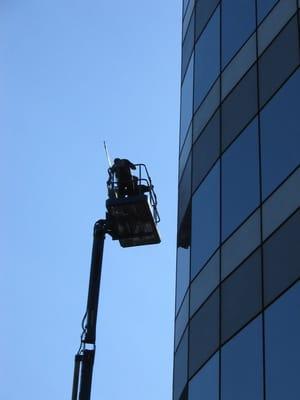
(133, 217)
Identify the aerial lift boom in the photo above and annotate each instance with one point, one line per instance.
(131, 218)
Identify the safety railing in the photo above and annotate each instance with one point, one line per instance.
(137, 185)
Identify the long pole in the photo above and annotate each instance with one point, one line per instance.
(84, 359)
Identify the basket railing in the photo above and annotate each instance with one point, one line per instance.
(141, 184)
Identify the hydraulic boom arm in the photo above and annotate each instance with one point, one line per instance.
(84, 359)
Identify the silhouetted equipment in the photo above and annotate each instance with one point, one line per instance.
(131, 218)
(107, 153)
(132, 206)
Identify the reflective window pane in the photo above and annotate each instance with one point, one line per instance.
(183, 257)
(182, 274)
(282, 333)
(280, 139)
(184, 230)
(282, 258)
(205, 384)
(281, 204)
(186, 101)
(241, 244)
(239, 65)
(275, 21)
(185, 187)
(238, 22)
(263, 7)
(185, 152)
(241, 296)
(240, 179)
(279, 61)
(182, 319)
(204, 10)
(207, 59)
(239, 107)
(204, 333)
(185, 3)
(187, 16)
(204, 284)
(241, 365)
(206, 150)
(184, 394)
(180, 367)
(188, 45)
(206, 110)
(205, 220)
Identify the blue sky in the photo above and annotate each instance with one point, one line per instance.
(73, 73)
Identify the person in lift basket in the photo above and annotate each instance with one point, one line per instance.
(127, 184)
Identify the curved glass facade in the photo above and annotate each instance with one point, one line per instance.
(237, 319)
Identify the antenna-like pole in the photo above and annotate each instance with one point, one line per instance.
(107, 154)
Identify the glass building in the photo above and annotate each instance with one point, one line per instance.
(237, 322)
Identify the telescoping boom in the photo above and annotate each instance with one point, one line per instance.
(131, 218)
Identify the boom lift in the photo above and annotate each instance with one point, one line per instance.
(131, 218)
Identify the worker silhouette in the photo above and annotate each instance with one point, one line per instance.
(127, 183)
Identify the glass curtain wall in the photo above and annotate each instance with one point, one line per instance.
(237, 319)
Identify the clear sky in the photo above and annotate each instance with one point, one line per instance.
(73, 73)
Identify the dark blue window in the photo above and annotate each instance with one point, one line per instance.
(238, 22)
(282, 258)
(204, 10)
(182, 274)
(280, 138)
(205, 220)
(241, 365)
(180, 367)
(240, 179)
(185, 4)
(206, 150)
(241, 296)
(279, 61)
(186, 112)
(282, 332)
(182, 319)
(205, 283)
(187, 46)
(206, 383)
(263, 7)
(239, 107)
(204, 333)
(207, 58)
(184, 194)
